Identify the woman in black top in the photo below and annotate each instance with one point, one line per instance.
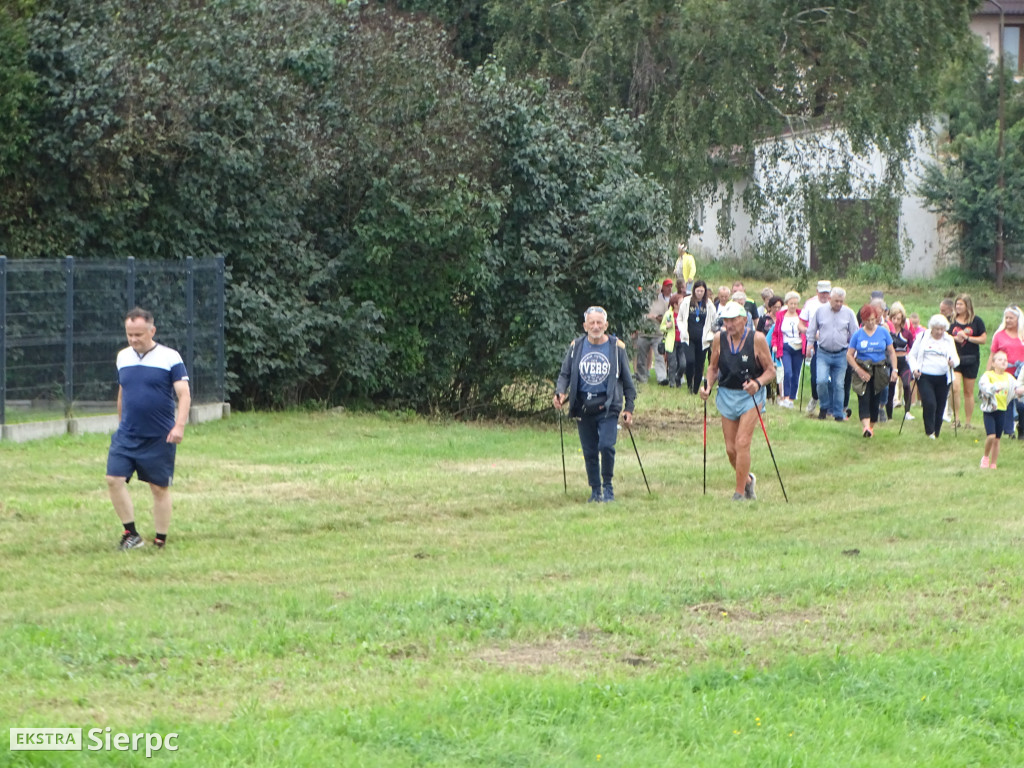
(968, 330)
(741, 365)
(902, 339)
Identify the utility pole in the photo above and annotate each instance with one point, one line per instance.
(1000, 152)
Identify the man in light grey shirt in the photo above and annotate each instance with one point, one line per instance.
(649, 336)
(828, 332)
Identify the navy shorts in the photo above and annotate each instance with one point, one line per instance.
(994, 422)
(151, 458)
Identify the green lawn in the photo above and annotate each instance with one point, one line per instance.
(367, 590)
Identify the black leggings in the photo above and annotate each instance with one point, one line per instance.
(695, 360)
(867, 404)
(933, 390)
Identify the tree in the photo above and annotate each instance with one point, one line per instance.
(963, 186)
(713, 77)
(396, 227)
(16, 99)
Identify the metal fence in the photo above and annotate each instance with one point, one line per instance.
(62, 325)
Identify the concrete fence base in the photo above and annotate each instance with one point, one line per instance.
(38, 430)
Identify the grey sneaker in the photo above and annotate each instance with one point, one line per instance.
(812, 406)
(609, 494)
(130, 541)
(748, 489)
(595, 496)
(882, 418)
(738, 497)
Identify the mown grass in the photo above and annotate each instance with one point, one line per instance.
(390, 591)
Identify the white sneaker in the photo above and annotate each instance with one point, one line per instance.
(812, 406)
(946, 419)
(910, 417)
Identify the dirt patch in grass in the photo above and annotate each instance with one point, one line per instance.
(583, 653)
(574, 653)
(665, 420)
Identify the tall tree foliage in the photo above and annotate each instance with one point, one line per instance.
(16, 103)
(964, 186)
(396, 227)
(714, 75)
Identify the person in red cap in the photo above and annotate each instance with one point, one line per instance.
(650, 334)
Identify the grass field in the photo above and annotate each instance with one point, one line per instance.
(374, 590)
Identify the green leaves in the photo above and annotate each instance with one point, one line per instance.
(964, 187)
(397, 227)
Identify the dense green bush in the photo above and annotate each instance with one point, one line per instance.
(396, 226)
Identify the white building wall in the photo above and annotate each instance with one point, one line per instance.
(778, 167)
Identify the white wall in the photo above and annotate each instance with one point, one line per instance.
(778, 167)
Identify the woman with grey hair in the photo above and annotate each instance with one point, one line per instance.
(932, 360)
(789, 344)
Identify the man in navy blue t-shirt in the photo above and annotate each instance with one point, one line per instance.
(150, 376)
(595, 380)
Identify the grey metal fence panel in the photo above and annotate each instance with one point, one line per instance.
(62, 324)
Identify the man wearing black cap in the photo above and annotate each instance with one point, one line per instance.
(649, 336)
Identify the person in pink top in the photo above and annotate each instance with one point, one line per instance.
(1009, 338)
(789, 344)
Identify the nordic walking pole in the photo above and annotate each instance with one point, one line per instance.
(800, 403)
(906, 402)
(703, 383)
(954, 416)
(561, 437)
(800, 399)
(638, 458)
(758, 409)
(952, 394)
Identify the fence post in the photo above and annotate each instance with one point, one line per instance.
(130, 283)
(3, 340)
(219, 375)
(69, 333)
(190, 318)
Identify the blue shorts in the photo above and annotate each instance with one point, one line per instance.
(733, 403)
(994, 422)
(151, 458)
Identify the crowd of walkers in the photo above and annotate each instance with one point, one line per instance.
(823, 348)
(757, 354)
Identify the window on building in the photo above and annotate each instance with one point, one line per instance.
(1013, 37)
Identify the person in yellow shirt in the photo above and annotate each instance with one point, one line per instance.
(995, 387)
(686, 267)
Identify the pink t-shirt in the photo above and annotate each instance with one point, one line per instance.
(1011, 345)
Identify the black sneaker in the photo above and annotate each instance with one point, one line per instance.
(159, 543)
(749, 490)
(822, 414)
(130, 540)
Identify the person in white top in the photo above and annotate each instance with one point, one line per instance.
(788, 343)
(932, 360)
(824, 291)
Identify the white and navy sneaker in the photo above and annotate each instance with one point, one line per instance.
(130, 540)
